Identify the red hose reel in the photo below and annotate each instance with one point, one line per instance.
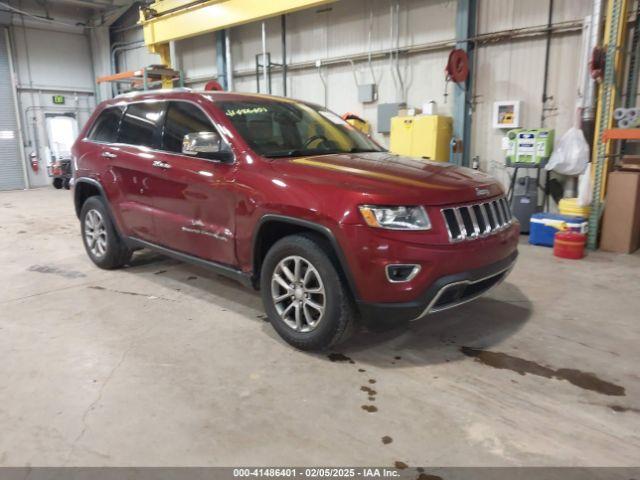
(457, 68)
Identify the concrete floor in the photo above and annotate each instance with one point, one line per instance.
(166, 364)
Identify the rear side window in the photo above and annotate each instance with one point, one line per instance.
(183, 118)
(139, 125)
(105, 128)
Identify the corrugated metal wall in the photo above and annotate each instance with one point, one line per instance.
(11, 171)
(508, 70)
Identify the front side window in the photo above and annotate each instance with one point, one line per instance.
(275, 129)
(183, 118)
(105, 128)
(140, 123)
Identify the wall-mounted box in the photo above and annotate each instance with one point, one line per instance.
(386, 111)
(506, 114)
(367, 93)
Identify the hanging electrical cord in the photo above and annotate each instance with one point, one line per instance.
(391, 46)
(394, 52)
(374, 79)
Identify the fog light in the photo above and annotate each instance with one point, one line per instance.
(401, 273)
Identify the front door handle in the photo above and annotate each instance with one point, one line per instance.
(109, 155)
(161, 164)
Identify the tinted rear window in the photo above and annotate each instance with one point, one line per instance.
(139, 125)
(105, 128)
(183, 118)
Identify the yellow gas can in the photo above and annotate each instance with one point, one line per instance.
(425, 136)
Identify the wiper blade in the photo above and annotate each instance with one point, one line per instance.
(364, 150)
(304, 153)
(288, 153)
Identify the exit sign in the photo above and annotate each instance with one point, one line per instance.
(58, 99)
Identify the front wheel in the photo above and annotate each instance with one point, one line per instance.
(101, 240)
(303, 294)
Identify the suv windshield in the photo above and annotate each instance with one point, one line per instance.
(287, 129)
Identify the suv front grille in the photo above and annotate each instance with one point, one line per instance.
(469, 222)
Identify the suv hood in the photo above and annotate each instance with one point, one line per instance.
(393, 179)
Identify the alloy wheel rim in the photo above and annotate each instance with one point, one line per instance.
(298, 294)
(95, 233)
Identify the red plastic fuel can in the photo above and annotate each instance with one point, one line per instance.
(569, 245)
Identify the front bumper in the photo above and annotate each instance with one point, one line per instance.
(446, 292)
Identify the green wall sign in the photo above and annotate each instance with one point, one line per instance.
(58, 99)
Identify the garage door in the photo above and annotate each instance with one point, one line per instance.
(11, 176)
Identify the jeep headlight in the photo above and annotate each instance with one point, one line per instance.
(396, 218)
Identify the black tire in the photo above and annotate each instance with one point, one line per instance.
(116, 254)
(57, 183)
(337, 321)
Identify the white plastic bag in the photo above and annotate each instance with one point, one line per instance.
(571, 155)
(585, 192)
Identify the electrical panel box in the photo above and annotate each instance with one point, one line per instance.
(425, 136)
(367, 93)
(386, 111)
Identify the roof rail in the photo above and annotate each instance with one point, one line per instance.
(161, 90)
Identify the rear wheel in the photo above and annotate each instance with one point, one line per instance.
(303, 294)
(101, 240)
(57, 183)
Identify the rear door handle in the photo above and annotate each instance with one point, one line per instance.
(109, 155)
(161, 164)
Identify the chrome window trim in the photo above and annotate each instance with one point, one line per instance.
(157, 150)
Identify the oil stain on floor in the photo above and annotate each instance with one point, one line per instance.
(340, 357)
(56, 271)
(621, 409)
(584, 380)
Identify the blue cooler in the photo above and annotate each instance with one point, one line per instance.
(545, 225)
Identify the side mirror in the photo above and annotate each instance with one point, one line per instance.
(201, 142)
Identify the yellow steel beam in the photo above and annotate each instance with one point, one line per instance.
(179, 19)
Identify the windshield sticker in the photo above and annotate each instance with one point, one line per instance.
(245, 111)
(332, 117)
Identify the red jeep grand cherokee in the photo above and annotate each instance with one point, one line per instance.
(287, 197)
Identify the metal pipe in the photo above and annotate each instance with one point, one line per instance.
(494, 37)
(283, 24)
(589, 112)
(392, 49)
(229, 59)
(398, 72)
(52, 88)
(121, 47)
(96, 92)
(545, 83)
(265, 74)
(369, 47)
(94, 4)
(590, 94)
